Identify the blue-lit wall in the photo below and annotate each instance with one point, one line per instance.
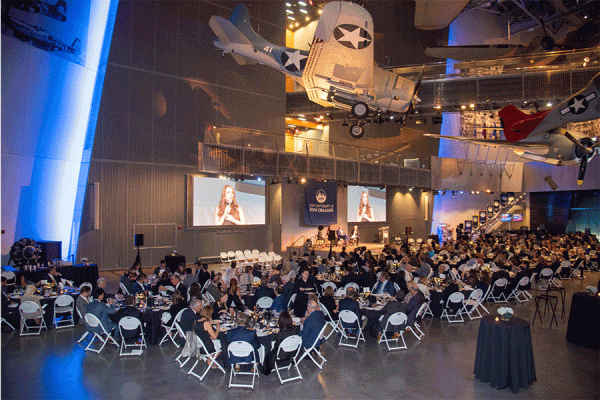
(47, 100)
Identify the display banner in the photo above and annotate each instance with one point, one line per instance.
(468, 226)
(496, 206)
(475, 221)
(503, 199)
(490, 211)
(482, 216)
(320, 203)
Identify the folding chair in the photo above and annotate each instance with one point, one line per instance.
(500, 285)
(242, 349)
(7, 323)
(123, 289)
(11, 279)
(207, 297)
(545, 278)
(94, 323)
(329, 321)
(64, 304)
(485, 297)
(28, 311)
(471, 305)
(566, 264)
(521, 291)
(171, 331)
(428, 309)
(396, 319)
(292, 299)
(308, 351)
(593, 261)
(204, 355)
(340, 292)
(349, 317)
(248, 256)
(230, 256)
(84, 284)
(264, 302)
(325, 285)
(454, 298)
(131, 324)
(224, 259)
(290, 345)
(354, 285)
(416, 325)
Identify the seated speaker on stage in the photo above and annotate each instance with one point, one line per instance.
(341, 234)
(319, 239)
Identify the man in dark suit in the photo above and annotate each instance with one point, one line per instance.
(102, 311)
(190, 315)
(417, 298)
(189, 278)
(213, 288)
(129, 311)
(349, 303)
(288, 288)
(243, 333)
(203, 274)
(139, 286)
(314, 322)
(177, 284)
(127, 280)
(392, 307)
(384, 285)
(53, 276)
(160, 269)
(350, 277)
(263, 290)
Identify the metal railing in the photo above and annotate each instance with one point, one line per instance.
(233, 150)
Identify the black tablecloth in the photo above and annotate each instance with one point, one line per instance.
(153, 329)
(584, 320)
(372, 326)
(76, 273)
(504, 353)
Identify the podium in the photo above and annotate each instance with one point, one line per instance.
(384, 234)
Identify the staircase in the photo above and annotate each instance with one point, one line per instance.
(494, 223)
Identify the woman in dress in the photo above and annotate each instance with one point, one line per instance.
(179, 303)
(365, 212)
(303, 286)
(220, 307)
(204, 330)
(329, 302)
(228, 212)
(234, 296)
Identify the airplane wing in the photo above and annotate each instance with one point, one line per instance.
(493, 142)
(437, 14)
(341, 54)
(475, 52)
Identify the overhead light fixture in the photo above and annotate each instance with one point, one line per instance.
(307, 18)
(549, 104)
(259, 179)
(288, 4)
(437, 107)
(302, 3)
(410, 189)
(320, 11)
(297, 24)
(289, 11)
(303, 180)
(290, 17)
(292, 26)
(303, 11)
(463, 107)
(472, 105)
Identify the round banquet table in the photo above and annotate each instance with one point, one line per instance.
(584, 320)
(504, 354)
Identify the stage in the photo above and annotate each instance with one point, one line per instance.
(375, 248)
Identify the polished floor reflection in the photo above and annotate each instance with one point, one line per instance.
(441, 366)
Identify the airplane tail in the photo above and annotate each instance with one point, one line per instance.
(236, 30)
(516, 124)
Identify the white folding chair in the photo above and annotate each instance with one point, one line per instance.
(248, 256)
(471, 305)
(123, 289)
(485, 298)
(242, 349)
(239, 257)
(593, 261)
(207, 297)
(497, 291)
(292, 299)
(7, 323)
(329, 321)
(104, 337)
(545, 278)
(205, 356)
(290, 345)
(325, 285)
(64, 304)
(11, 279)
(354, 285)
(264, 302)
(416, 325)
(206, 284)
(396, 319)
(131, 324)
(86, 284)
(171, 331)
(520, 290)
(309, 351)
(230, 256)
(340, 292)
(349, 317)
(224, 259)
(455, 300)
(566, 264)
(30, 310)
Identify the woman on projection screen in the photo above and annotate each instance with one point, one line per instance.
(228, 212)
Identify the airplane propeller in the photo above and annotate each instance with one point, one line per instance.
(584, 150)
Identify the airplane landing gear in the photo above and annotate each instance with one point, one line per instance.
(360, 110)
(357, 130)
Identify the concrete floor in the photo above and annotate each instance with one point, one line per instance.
(439, 367)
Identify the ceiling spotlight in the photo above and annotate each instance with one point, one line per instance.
(472, 105)
(410, 189)
(477, 192)
(320, 11)
(549, 104)
(297, 24)
(303, 180)
(291, 26)
(463, 107)
(259, 179)
(437, 107)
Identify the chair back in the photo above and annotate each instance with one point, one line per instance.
(292, 299)
(290, 344)
(397, 318)
(9, 275)
(240, 349)
(340, 292)
(354, 285)
(123, 288)
(456, 297)
(165, 318)
(29, 307)
(476, 295)
(92, 321)
(63, 300)
(524, 281)
(421, 311)
(329, 284)
(348, 316)
(129, 323)
(264, 302)
(86, 284)
(231, 255)
(546, 273)
(500, 283)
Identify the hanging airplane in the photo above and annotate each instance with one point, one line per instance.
(339, 70)
(541, 136)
